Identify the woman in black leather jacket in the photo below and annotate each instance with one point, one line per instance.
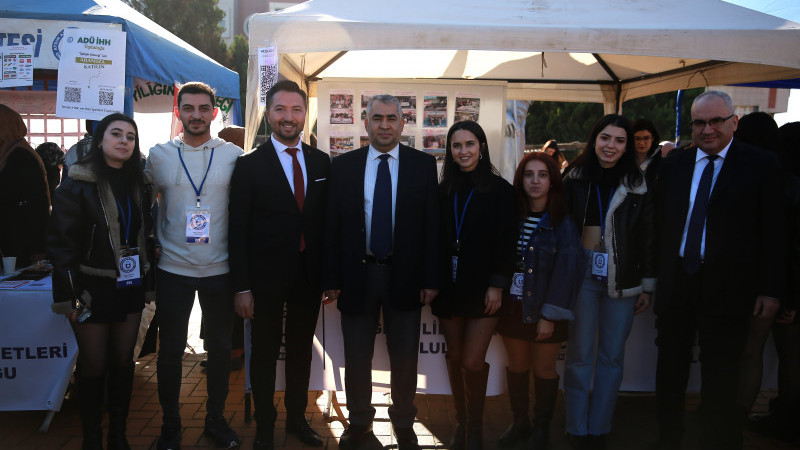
(609, 201)
(97, 241)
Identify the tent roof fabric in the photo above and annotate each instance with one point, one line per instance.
(153, 53)
(536, 41)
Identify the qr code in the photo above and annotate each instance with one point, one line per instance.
(72, 95)
(267, 77)
(106, 98)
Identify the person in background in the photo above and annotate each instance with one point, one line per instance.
(783, 418)
(24, 195)
(99, 243)
(53, 158)
(551, 148)
(609, 200)
(79, 151)
(648, 154)
(760, 130)
(477, 249)
(534, 322)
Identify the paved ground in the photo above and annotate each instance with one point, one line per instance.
(634, 422)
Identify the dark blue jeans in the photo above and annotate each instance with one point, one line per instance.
(174, 300)
(402, 342)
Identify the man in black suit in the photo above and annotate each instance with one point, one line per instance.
(277, 205)
(722, 259)
(381, 246)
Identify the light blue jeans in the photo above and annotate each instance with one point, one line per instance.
(600, 329)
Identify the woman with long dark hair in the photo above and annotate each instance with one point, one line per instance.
(550, 269)
(477, 234)
(610, 202)
(551, 149)
(98, 243)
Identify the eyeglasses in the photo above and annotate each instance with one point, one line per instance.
(642, 138)
(715, 122)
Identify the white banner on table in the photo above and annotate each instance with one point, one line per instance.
(37, 350)
(267, 71)
(17, 66)
(91, 74)
(327, 362)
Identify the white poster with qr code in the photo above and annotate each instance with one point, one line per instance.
(267, 71)
(91, 74)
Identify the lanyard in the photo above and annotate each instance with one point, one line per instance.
(522, 237)
(459, 223)
(126, 219)
(602, 211)
(197, 190)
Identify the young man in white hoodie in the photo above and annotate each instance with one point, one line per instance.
(191, 175)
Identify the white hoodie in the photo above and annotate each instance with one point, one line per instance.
(165, 171)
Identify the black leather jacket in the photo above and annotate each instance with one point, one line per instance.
(80, 241)
(631, 215)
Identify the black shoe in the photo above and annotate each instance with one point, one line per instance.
(406, 439)
(354, 435)
(299, 427)
(264, 440)
(170, 438)
(220, 432)
(517, 432)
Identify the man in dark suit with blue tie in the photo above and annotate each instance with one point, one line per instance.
(381, 247)
(277, 208)
(722, 260)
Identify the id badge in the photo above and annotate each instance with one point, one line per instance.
(455, 267)
(198, 225)
(129, 273)
(600, 266)
(516, 286)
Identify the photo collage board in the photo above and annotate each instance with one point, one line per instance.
(429, 108)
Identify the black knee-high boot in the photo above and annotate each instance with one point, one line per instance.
(90, 405)
(546, 391)
(120, 385)
(475, 384)
(519, 398)
(459, 439)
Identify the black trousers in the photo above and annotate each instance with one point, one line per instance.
(402, 343)
(268, 338)
(721, 337)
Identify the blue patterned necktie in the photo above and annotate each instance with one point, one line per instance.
(381, 230)
(697, 221)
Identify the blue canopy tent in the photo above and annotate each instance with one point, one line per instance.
(153, 53)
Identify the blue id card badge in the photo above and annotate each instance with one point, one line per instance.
(515, 293)
(198, 225)
(129, 272)
(455, 267)
(600, 266)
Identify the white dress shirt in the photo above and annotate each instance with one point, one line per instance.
(286, 162)
(370, 174)
(701, 161)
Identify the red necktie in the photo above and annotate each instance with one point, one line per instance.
(299, 188)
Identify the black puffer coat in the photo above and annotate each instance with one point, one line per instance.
(83, 238)
(631, 216)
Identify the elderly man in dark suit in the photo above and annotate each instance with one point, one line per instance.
(277, 204)
(381, 246)
(722, 259)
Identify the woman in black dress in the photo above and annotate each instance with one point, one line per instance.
(545, 286)
(478, 233)
(98, 243)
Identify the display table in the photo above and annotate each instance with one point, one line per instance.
(37, 349)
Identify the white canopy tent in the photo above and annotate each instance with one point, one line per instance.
(603, 51)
